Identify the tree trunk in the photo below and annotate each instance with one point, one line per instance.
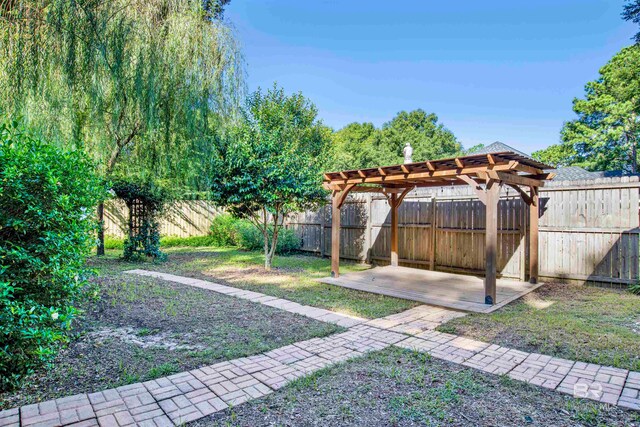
(267, 258)
(100, 214)
(274, 240)
(113, 158)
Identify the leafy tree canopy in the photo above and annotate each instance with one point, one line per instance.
(362, 145)
(135, 83)
(558, 155)
(605, 134)
(271, 163)
(631, 12)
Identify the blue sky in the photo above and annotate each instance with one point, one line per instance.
(491, 70)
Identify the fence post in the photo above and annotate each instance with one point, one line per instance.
(434, 225)
(367, 235)
(522, 248)
(323, 213)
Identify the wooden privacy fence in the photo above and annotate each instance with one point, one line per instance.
(589, 230)
(184, 218)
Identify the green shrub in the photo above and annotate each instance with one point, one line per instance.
(113, 243)
(288, 241)
(223, 230)
(194, 241)
(146, 201)
(635, 288)
(250, 238)
(47, 198)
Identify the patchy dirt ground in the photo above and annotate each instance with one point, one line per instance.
(293, 277)
(589, 324)
(401, 388)
(141, 328)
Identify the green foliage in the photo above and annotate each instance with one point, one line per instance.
(113, 243)
(135, 83)
(167, 242)
(193, 241)
(605, 134)
(473, 149)
(362, 145)
(631, 12)
(146, 201)
(223, 230)
(249, 237)
(271, 163)
(557, 155)
(46, 231)
(635, 288)
(354, 147)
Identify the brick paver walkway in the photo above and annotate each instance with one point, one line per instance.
(188, 396)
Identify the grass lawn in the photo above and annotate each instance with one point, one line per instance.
(293, 278)
(140, 328)
(396, 387)
(584, 323)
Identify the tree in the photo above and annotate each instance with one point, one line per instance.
(469, 151)
(631, 12)
(353, 146)
(429, 139)
(137, 84)
(271, 163)
(605, 134)
(558, 155)
(362, 145)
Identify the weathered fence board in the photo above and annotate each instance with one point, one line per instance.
(183, 219)
(589, 230)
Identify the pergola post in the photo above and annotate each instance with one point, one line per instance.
(335, 235)
(395, 199)
(491, 241)
(533, 235)
(394, 229)
(338, 198)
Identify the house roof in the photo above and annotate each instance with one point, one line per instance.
(499, 147)
(573, 173)
(566, 173)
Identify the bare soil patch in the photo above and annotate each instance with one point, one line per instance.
(139, 328)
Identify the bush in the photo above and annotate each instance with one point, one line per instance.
(223, 230)
(248, 237)
(113, 243)
(193, 241)
(47, 197)
(146, 201)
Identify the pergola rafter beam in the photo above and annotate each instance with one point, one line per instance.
(399, 177)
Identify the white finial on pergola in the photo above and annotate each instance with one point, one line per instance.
(407, 151)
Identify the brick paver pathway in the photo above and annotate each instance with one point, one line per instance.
(188, 396)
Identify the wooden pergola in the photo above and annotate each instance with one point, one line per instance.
(485, 173)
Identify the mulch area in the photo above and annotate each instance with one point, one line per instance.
(401, 388)
(137, 328)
